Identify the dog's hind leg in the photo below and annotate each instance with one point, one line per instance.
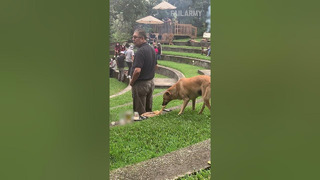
(208, 104)
(185, 102)
(193, 104)
(204, 105)
(206, 99)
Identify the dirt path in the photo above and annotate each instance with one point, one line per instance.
(170, 166)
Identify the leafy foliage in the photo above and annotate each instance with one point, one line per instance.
(123, 16)
(124, 13)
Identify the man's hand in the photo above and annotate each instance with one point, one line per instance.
(135, 75)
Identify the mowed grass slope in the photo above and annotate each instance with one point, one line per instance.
(156, 105)
(126, 98)
(186, 69)
(186, 47)
(116, 86)
(157, 136)
(191, 55)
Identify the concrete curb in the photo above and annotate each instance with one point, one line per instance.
(195, 44)
(169, 72)
(186, 50)
(160, 83)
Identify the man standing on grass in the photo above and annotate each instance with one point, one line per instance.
(120, 64)
(144, 65)
(129, 59)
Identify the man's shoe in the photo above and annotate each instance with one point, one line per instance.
(143, 117)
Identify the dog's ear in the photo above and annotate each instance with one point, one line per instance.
(167, 93)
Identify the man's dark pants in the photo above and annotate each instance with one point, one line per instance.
(142, 96)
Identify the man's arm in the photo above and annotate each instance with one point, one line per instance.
(136, 74)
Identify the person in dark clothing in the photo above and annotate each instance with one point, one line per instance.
(144, 66)
(159, 51)
(112, 66)
(123, 48)
(120, 64)
(117, 49)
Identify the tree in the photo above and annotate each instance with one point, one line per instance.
(124, 13)
(123, 16)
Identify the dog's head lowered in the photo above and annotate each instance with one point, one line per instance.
(167, 97)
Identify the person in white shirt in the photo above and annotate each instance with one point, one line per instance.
(129, 59)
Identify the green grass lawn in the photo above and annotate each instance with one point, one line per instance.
(160, 76)
(157, 136)
(192, 55)
(116, 86)
(156, 105)
(186, 69)
(186, 47)
(154, 137)
(201, 175)
(126, 98)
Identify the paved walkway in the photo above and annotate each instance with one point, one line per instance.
(164, 82)
(170, 166)
(205, 72)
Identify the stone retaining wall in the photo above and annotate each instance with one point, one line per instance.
(176, 49)
(165, 71)
(187, 60)
(169, 72)
(196, 44)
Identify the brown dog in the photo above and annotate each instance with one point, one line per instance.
(189, 89)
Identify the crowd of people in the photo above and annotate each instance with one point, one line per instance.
(124, 55)
(141, 68)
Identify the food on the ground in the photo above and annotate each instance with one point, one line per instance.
(159, 112)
